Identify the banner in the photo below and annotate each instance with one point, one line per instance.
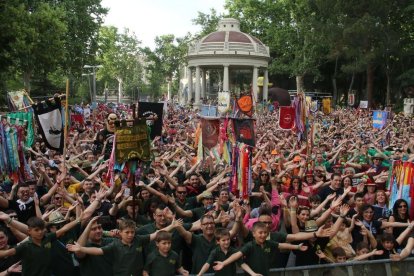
(314, 106)
(25, 118)
(208, 111)
(326, 106)
(363, 104)
(16, 99)
(223, 104)
(351, 99)
(245, 104)
(210, 132)
(132, 142)
(49, 119)
(379, 119)
(152, 112)
(244, 130)
(286, 117)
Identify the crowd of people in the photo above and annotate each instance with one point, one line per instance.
(310, 203)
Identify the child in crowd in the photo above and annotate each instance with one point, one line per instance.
(221, 253)
(164, 261)
(126, 253)
(36, 253)
(258, 253)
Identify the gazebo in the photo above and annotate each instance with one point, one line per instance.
(237, 56)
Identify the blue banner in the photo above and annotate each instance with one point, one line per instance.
(379, 119)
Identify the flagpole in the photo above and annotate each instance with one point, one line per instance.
(65, 135)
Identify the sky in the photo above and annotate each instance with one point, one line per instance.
(151, 18)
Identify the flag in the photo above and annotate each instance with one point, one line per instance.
(208, 111)
(244, 130)
(210, 132)
(379, 119)
(132, 142)
(152, 112)
(351, 99)
(286, 117)
(245, 104)
(223, 102)
(326, 106)
(49, 119)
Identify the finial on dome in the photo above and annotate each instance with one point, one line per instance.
(229, 24)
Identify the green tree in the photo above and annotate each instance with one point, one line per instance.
(287, 28)
(119, 55)
(207, 21)
(163, 64)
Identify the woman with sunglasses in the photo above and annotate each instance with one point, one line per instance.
(374, 226)
(256, 197)
(399, 214)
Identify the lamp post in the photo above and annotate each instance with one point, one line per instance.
(94, 79)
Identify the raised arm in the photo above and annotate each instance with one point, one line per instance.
(76, 248)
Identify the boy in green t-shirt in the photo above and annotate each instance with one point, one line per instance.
(163, 261)
(127, 253)
(221, 253)
(258, 252)
(36, 252)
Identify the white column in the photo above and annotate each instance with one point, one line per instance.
(266, 85)
(254, 84)
(168, 90)
(203, 84)
(197, 88)
(226, 78)
(190, 85)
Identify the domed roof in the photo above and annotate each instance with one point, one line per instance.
(228, 39)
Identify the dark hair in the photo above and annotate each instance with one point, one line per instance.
(220, 233)
(335, 174)
(362, 245)
(126, 223)
(358, 195)
(259, 225)
(291, 183)
(387, 237)
(395, 209)
(338, 252)
(343, 180)
(35, 222)
(163, 236)
(204, 217)
(315, 198)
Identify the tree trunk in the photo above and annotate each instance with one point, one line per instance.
(300, 83)
(370, 85)
(334, 86)
(388, 99)
(26, 81)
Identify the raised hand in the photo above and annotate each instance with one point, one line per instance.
(343, 211)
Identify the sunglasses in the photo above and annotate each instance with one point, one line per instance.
(402, 206)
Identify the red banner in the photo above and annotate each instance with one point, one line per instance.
(287, 117)
(210, 132)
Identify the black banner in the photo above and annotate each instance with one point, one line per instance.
(244, 130)
(152, 112)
